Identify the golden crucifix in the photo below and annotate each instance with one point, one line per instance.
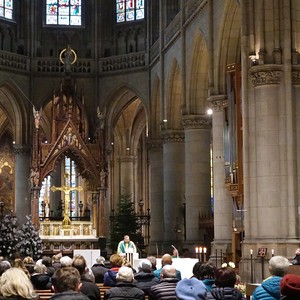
(66, 189)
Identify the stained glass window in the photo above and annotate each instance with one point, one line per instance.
(63, 12)
(130, 10)
(6, 9)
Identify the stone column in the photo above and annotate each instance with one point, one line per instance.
(222, 199)
(197, 174)
(127, 165)
(173, 163)
(156, 196)
(22, 200)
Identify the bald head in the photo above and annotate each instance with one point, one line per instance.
(166, 260)
(168, 271)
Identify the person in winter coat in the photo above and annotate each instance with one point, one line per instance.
(290, 287)
(270, 287)
(145, 278)
(15, 285)
(66, 285)
(116, 261)
(88, 287)
(207, 275)
(99, 269)
(224, 285)
(40, 279)
(125, 289)
(296, 260)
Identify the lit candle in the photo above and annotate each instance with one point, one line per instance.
(200, 249)
(272, 251)
(196, 249)
(251, 251)
(204, 249)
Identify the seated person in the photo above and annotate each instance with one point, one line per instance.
(124, 288)
(166, 260)
(145, 278)
(40, 279)
(66, 284)
(270, 288)
(116, 261)
(99, 269)
(88, 287)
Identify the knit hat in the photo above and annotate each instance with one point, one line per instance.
(290, 286)
(191, 289)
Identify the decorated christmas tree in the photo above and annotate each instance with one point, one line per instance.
(30, 243)
(10, 236)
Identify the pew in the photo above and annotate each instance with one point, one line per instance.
(250, 287)
(44, 294)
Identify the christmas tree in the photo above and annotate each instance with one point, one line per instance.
(30, 243)
(124, 222)
(10, 236)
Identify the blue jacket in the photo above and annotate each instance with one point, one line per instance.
(268, 290)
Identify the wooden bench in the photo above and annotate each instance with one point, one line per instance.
(44, 294)
(250, 287)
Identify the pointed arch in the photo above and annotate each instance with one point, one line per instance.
(198, 83)
(174, 97)
(229, 50)
(156, 115)
(14, 106)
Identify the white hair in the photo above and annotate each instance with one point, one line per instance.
(278, 265)
(145, 265)
(66, 261)
(125, 274)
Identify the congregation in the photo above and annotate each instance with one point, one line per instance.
(70, 278)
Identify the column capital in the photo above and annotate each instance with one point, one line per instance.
(173, 136)
(155, 145)
(218, 102)
(21, 149)
(296, 75)
(196, 121)
(265, 74)
(127, 158)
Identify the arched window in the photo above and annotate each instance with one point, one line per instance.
(6, 9)
(130, 10)
(63, 12)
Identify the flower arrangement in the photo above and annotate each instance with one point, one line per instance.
(241, 287)
(230, 264)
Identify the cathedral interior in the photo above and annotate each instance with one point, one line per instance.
(188, 106)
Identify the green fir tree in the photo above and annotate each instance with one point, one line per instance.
(125, 222)
(10, 236)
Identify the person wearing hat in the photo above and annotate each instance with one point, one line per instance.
(99, 269)
(191, 289)
(290, 287)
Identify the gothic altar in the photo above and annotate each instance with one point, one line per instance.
(79, 235)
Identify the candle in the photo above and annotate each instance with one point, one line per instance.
(272, 251)
(196, 249)
(200, 249)
(251, 251)
(204, 249)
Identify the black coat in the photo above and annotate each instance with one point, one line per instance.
(41, 281)
(144, 281)
(89, 289)
(99, 271)
(124, 290)
(69, 295)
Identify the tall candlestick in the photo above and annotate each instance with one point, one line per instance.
(251, 265)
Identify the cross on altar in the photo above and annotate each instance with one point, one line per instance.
(66, 189)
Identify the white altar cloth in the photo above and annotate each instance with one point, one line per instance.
(184, 265)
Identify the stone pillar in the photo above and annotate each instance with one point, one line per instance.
(127, 164)
(156, 196)
(173, 163)
(197, 174)
(222, 199)
(22, 202)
